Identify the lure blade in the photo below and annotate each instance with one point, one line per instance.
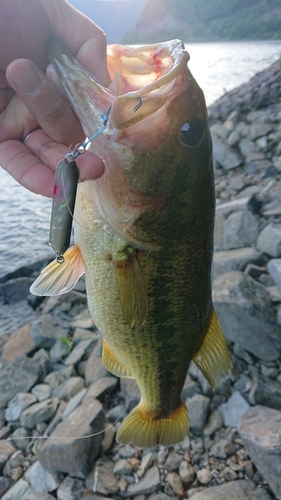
(66, 180)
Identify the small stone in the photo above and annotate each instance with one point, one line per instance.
(233, 409)
(19, 403)
(117, 413)
(186, 472)
(240, 230)
(70, 489)
(41, 391)
(59, 351)
(79, 351)
(234, 260)
(18, 344)
(219, 449)
(54, 379)
(146, 486)
(95, 368)
(70, 453)
(18, 376)
(102, 388)
(214, 423)
(122, 467)
(74, 402)
(5, 484)
(198, 407)
(83, 334)
(269, 240)
(122, 484)
(82, 320)
(126, 451)
(39, 412)
(19, 437)
(173, 462)
(108, 438)
(236, 490)
(274, 269)
(102, 479)
(190, 388)
(6, 451)
(147, 460)
(175, 482)
(45, 331)
(226, 156)
(40, 479)
(204, 476)
(228, 474)
(131, 392)
(18, 491)
(68, 389)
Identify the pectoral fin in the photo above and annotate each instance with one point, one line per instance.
(112, 363)
(213, 358)
(132, 289)
(56, 278)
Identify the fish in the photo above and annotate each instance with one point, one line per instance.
(144, 231)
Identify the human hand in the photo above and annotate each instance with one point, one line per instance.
(28, 99)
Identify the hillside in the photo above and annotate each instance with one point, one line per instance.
(215, 20)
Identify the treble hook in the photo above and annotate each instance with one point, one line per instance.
(138, 105)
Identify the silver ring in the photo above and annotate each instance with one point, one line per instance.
(29, 134)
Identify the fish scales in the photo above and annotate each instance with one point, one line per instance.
(144, 233)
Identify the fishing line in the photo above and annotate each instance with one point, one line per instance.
(55, 438)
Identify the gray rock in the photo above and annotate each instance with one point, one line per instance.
(226, 156)
(70, 454)
(79, 351)
(156, 496)
(219, 130)
(233, 138)
(240, 230)
(58, 351)
(18, 491)
(45, 331)
(234, 260)
(82, 320)
(274, 269)
(175, 483)
(219, 449)
(73, 403)
(266, 392)
(204, 476)
(19, 403)
(6, 451)
(70, 489)
(102, 388)
(242, 354)
(146, 461)
(5, 484)
(260, 429)
(19, 343)
(269, 240)
(235, 490)
(122, 467)
(234, 206)
(198, 407)
(95, 368)
(186, 472)
(126, 451)
(246, 314)
(68, 389)
(214, 423)
(190, 388)
(117, 414)
(233, 409)
(40, 479)
(173, 462)
(18, 376)
(131, 391)
(20, 439)
(41, 391)
(39, 412)
(15, 316)
(33, 495)
(102, 479)
(83, 334)
(54, 379)
(146, 486)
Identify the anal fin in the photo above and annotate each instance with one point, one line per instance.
(58, 278)
(112, 363)
(213, 357)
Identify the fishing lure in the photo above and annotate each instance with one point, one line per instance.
(65, 188)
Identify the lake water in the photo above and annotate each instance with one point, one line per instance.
(24, 220)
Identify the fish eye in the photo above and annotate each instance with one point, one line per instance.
(192, 133)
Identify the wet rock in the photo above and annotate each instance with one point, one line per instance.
(233, 409)
(19, 343)
(73, 403)
(260, 429)
(19, 403)
(146, 486)
(246, 314)
(186, 472)
(274, 269)
(70, 489)
(45, 331)
(238, 490)
(102, 479)
(70, 454)
(269, 240)
(41, 480)
(198, 407)
(39, 412)
(102, 388)
(18, 376)
(175, 482)
(234, 260)
(240, 230)
(68, 389)
(204, 476)
(6, 451)
(41, 391)
(54, 379)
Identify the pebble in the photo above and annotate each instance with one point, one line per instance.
(204, 476)
(175, 482)
(233, 409)
(186, 472)
(198, 407)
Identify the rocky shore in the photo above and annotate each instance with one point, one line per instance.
(54, 384)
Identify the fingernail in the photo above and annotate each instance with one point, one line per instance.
(28, 79)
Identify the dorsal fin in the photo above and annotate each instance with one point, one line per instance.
(56, 279)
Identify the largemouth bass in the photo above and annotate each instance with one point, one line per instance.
(144, 231)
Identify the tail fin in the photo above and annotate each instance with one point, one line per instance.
(143, 429)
